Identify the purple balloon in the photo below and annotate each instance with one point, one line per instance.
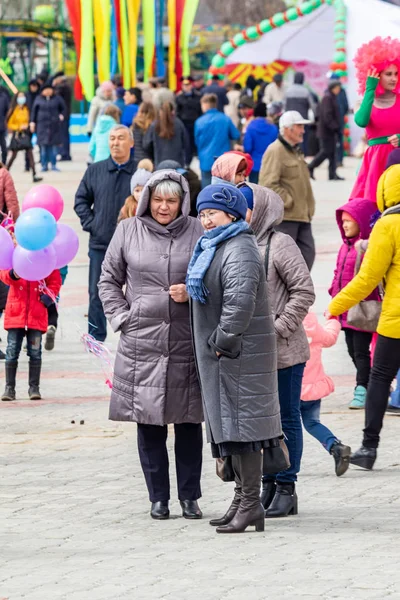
(66, 245)
(6, 250)
(34, 265)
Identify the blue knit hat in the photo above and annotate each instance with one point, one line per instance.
(140, 177)
(223, 197)
(248, 194)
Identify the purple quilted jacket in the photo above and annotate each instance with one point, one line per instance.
(361, 210)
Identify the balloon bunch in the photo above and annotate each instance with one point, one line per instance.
(92, 346)
(42, 244)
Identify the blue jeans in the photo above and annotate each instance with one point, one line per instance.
(205, 179)
(310, 412)
(14, 344)
(48, 154)
(97, 320)
(289, 388)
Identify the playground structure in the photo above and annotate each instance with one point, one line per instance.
(32, 38)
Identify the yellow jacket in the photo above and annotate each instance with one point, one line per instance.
(19, 118)
(382, 260)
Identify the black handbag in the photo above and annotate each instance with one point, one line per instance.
(21, 140)
(224, 469)
(276, 456)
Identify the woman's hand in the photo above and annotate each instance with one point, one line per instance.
(32, 127)
(178, 293)
(328, 315)
(394, 140)
(218, 354)
(373, 73)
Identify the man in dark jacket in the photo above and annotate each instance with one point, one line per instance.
(62, 89)
(46, 117)
(220, 92)
(343, 110)
(4, 106)
(328, 130)
(298, 97)
(188, 109)
(98, 201)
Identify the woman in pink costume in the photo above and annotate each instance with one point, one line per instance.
(378, 68)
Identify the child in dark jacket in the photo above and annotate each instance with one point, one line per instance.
(354, 223)
(26, 314)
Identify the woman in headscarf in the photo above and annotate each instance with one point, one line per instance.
(235, 348)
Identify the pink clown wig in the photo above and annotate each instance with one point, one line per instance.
(379, 53)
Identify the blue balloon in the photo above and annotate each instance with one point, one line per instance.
(35, 229)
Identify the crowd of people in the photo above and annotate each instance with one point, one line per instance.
(207, 275)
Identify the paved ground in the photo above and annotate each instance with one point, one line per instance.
(74, 521)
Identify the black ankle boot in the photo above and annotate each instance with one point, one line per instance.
(191, 509)
(267, 493)
(34, 380)
(159, 510)
(341, 455)
(11, 375)
(284, 502)
(250, 511)
(364, 458)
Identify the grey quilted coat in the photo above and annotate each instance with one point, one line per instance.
(155, 379)
(239, 389)
(289, 282)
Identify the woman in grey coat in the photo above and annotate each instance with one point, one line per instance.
(155, 381)
(292, 293)
(235, 348)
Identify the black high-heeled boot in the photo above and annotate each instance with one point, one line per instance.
(267, 493)
(284, 502)
(250, 511)
(364, 458)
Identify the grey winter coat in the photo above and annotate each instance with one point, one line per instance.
(289, 282)
(155, 379)
(239, 389)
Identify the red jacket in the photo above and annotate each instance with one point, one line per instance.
(24, 310)
(8, 195)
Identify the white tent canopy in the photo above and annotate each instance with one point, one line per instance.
(310, 38)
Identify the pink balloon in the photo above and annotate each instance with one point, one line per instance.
(44, 196)
(6, 249)
(66, 245)
(34, 265)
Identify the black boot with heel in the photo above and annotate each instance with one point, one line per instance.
(232, 510)
(284, 502)
(250, 511)
(364, 457)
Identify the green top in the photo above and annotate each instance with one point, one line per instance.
(363, 114)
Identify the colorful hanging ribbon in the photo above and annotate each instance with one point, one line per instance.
(86, 62)
(102, 26)
(74, 13)
(133, 18)
(125, 46)
(186, 28)
(159, 18)
(180, 5)
(113, 44)
(148, 16)
(172, 44)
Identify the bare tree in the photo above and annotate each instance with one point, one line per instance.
(245, 12)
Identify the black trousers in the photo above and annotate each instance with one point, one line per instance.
(302, 235)
(328, 151)
(384, 370)
(65, 146)
(3, 146)
(358, 346)
(153, 455)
